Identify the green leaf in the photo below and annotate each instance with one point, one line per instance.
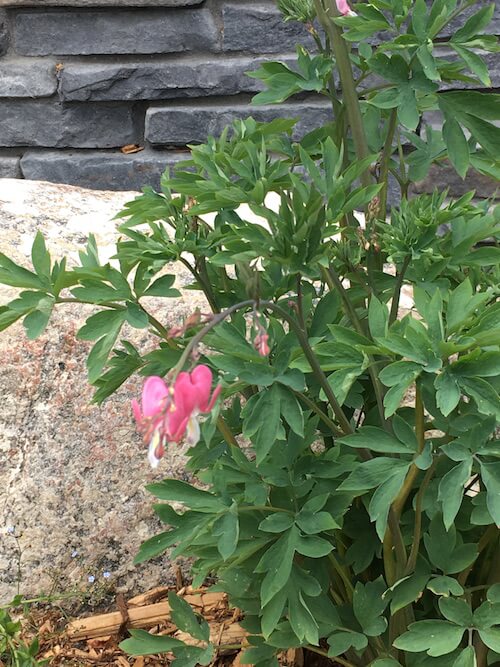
(301, 619)
(227, 529)
(135, 316)
(451, 490)
(491, 638)
(36, 322)
(434, 636)
(409, 589)
(17, 276)
(475, 63)
(100, 324)
(490, 475)
(291, 411)
(142, 643)
(162, 287)
(443, 549)
(486, 615)
(372, 473)
(191, 656)
(315, 522)
(378, 318)
(186, 620)
(182, 492)
(456, 143)
(456, 611)
(382, 499)
(41, 258)
(487, 399)
(445, 586)
(375, 439)
(385, 662)
(368, 605)
(474, 25)
(466, 658)
(313, 546)
(277, 523)
(280, 561)
(342, 640)
(424, 54)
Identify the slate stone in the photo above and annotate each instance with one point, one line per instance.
(51, 124)
(181, 125)
(27, 78)
(492, 29)
(114, 32)
(100, 170)
(158, 80)
(9, 166)
(99, 3)
(444, 176)
(4, 33)
(259, 28)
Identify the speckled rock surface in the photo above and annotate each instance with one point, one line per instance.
(72, 474)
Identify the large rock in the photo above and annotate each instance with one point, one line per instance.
(52, 124)
(148, 80)
(4, 33)
(27, 78)
(110, 32)
(99, 3)
(258, 27)
(10, 166)
(72, 474)
(181, 125)
(102, 170)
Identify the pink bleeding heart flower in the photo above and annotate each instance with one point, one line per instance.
(156, 397)
(170, 414)
(344, 8)
(191, 397)
(261, 344)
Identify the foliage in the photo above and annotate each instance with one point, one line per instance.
(13, 651)
(351, 475)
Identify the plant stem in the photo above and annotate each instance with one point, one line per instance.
(226, 432)
(413, 472)
(350, 96)
(417, 530)
(344, 422)
(346, 580)
(322, 415)
(385, 161)
(333, 281)
(397, 290)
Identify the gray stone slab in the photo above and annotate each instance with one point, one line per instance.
(492, 29)
(181, 125)
(139, 31)
(444, 176)
(27, 78)
(4, 33)
(99, 3)
(9, 166)
(51, 124)
(259, 28)
(158, 80)
(99, 170)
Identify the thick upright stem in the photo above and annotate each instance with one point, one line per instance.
(326, 9)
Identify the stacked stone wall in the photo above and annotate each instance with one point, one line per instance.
(81, 79)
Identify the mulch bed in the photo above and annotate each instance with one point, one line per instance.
(93, 641)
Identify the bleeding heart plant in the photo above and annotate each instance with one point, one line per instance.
(351, 468)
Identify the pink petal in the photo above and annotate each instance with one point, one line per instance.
(184, 402)
(201, 377)
(344, 8)
(154, 393)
